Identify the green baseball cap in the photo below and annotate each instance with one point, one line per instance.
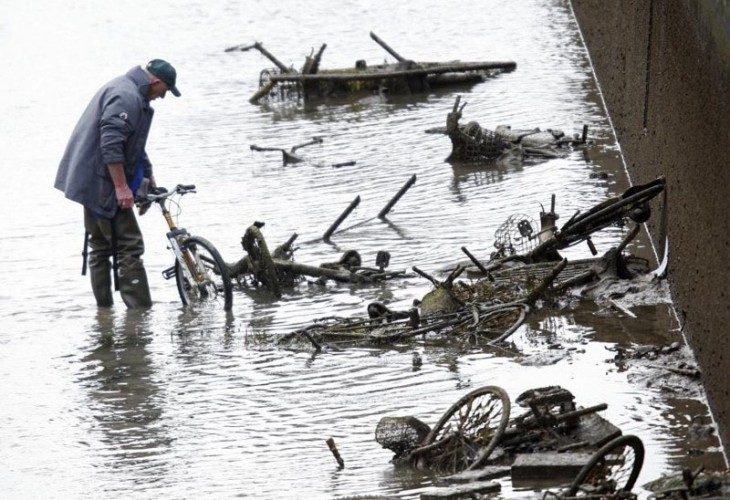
(165, 72)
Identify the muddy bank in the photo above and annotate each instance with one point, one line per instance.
(664, 68)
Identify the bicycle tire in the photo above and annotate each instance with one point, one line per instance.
(212, 282)
(607, 214)
(599, 468)
(499, 314)
(491, 406)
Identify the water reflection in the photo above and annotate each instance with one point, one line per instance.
(471, 176)
(125, 400)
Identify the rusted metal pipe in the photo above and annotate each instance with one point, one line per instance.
(478, 264)
(342, 217)
(290, 76)
(284, 69)
(397, 196)
(387, 47)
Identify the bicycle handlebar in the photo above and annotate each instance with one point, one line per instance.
(161, 193)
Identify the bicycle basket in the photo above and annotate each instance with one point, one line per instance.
(518, 234)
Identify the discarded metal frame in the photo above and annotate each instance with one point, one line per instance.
(270, 269)
(441, 313)
(541, 248)
(404, 77)
(472, 143)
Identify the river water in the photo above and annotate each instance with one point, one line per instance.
(191, 403)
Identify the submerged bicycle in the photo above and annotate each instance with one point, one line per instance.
(199, 270)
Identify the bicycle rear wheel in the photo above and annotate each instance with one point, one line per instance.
(613, 469)
(205, 278)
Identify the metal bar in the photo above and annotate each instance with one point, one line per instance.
(387, 47)
(397, 196)
(342, 217)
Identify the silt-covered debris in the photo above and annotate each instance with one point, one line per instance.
(403, 77)
(525, 268)
(473, 143)
(551, 441)
(552, 444)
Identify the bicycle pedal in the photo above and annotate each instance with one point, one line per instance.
(169, 273)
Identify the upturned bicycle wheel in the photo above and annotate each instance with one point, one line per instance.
(612, 470)
(469, 430)
(206, 278)
(495, 323)
(610, 211)
(260, 260)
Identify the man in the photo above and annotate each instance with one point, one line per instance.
(104, 165)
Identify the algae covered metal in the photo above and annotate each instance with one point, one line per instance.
(403, 77)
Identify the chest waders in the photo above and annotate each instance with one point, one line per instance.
(115, 256)
(134, 184)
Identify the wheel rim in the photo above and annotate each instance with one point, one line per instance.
(613, 469)
(470, 429)
(210, 281)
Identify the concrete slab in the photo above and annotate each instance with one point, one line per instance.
(462, 491)
(547, 468)
(484, 474)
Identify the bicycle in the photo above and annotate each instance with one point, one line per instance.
(199, 270)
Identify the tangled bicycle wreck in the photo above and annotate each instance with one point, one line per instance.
(553, 442)
(478, 440)
(488, 308)
(525, 268)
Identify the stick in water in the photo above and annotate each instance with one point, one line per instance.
(333, 449)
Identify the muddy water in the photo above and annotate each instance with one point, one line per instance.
(192, 403)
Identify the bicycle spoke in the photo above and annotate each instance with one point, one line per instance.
(203, 275)
(468, 429)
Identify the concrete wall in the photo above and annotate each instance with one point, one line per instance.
(664, 68)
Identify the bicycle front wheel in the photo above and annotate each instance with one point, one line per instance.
(203, 275)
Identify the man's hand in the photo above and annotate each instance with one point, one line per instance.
(125, 198)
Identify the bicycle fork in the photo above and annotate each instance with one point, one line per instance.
(177, 238)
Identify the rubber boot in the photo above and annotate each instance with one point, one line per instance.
(101, 283)
(134, 289)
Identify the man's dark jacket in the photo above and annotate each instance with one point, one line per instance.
(113, 129)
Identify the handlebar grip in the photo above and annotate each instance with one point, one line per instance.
(185, 187)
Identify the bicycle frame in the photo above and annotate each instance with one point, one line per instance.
(177, 236)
